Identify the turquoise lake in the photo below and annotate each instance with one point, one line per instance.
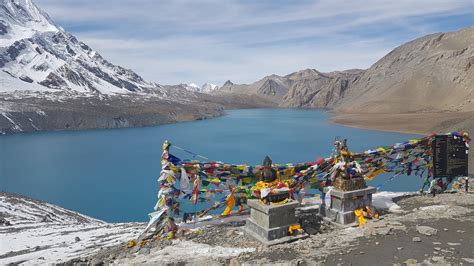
(112, 174)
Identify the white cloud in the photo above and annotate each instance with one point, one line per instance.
(212, 41)
(164, 60)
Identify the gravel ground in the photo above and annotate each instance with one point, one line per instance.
(393, 239)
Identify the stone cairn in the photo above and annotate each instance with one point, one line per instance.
(349, 192)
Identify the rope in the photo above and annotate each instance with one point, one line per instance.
(388, 180)
(190, 152)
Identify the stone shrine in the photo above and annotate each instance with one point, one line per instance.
(272, 214)
(270, 223)
(340, 205)
(349, 191)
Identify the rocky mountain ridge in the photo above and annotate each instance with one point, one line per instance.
(307, 88)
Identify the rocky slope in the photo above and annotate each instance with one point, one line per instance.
(26, 112)
(307, 88)
(423, 86)
(312, 89)
(272, 88)
(430, 74)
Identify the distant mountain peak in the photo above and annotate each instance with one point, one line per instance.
(191, 87)
(21, 19)
(209, 87)
(205, 88)
(305, 73)
(228, 83)
(24, 9)
(194, 85)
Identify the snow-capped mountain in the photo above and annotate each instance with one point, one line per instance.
(35, 50)
(49, 80)
(208, 88)
(192, 87)
(205, 88)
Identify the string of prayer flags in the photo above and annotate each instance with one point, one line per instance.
(222, 183)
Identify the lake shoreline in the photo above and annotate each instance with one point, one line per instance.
(406, 123)
(412, 123)
(158, 124)
(122, 122)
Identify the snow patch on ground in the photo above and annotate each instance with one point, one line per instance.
(186, 250)
(384, 200)
(44, 233)
(45, 243)
(12, 84)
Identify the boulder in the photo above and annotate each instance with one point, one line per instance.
(426, 230)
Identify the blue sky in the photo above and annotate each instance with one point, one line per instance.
(177, 41)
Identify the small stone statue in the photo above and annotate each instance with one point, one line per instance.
(269, 189)
(268, 173)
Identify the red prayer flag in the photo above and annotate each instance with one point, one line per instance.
(196, 190)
